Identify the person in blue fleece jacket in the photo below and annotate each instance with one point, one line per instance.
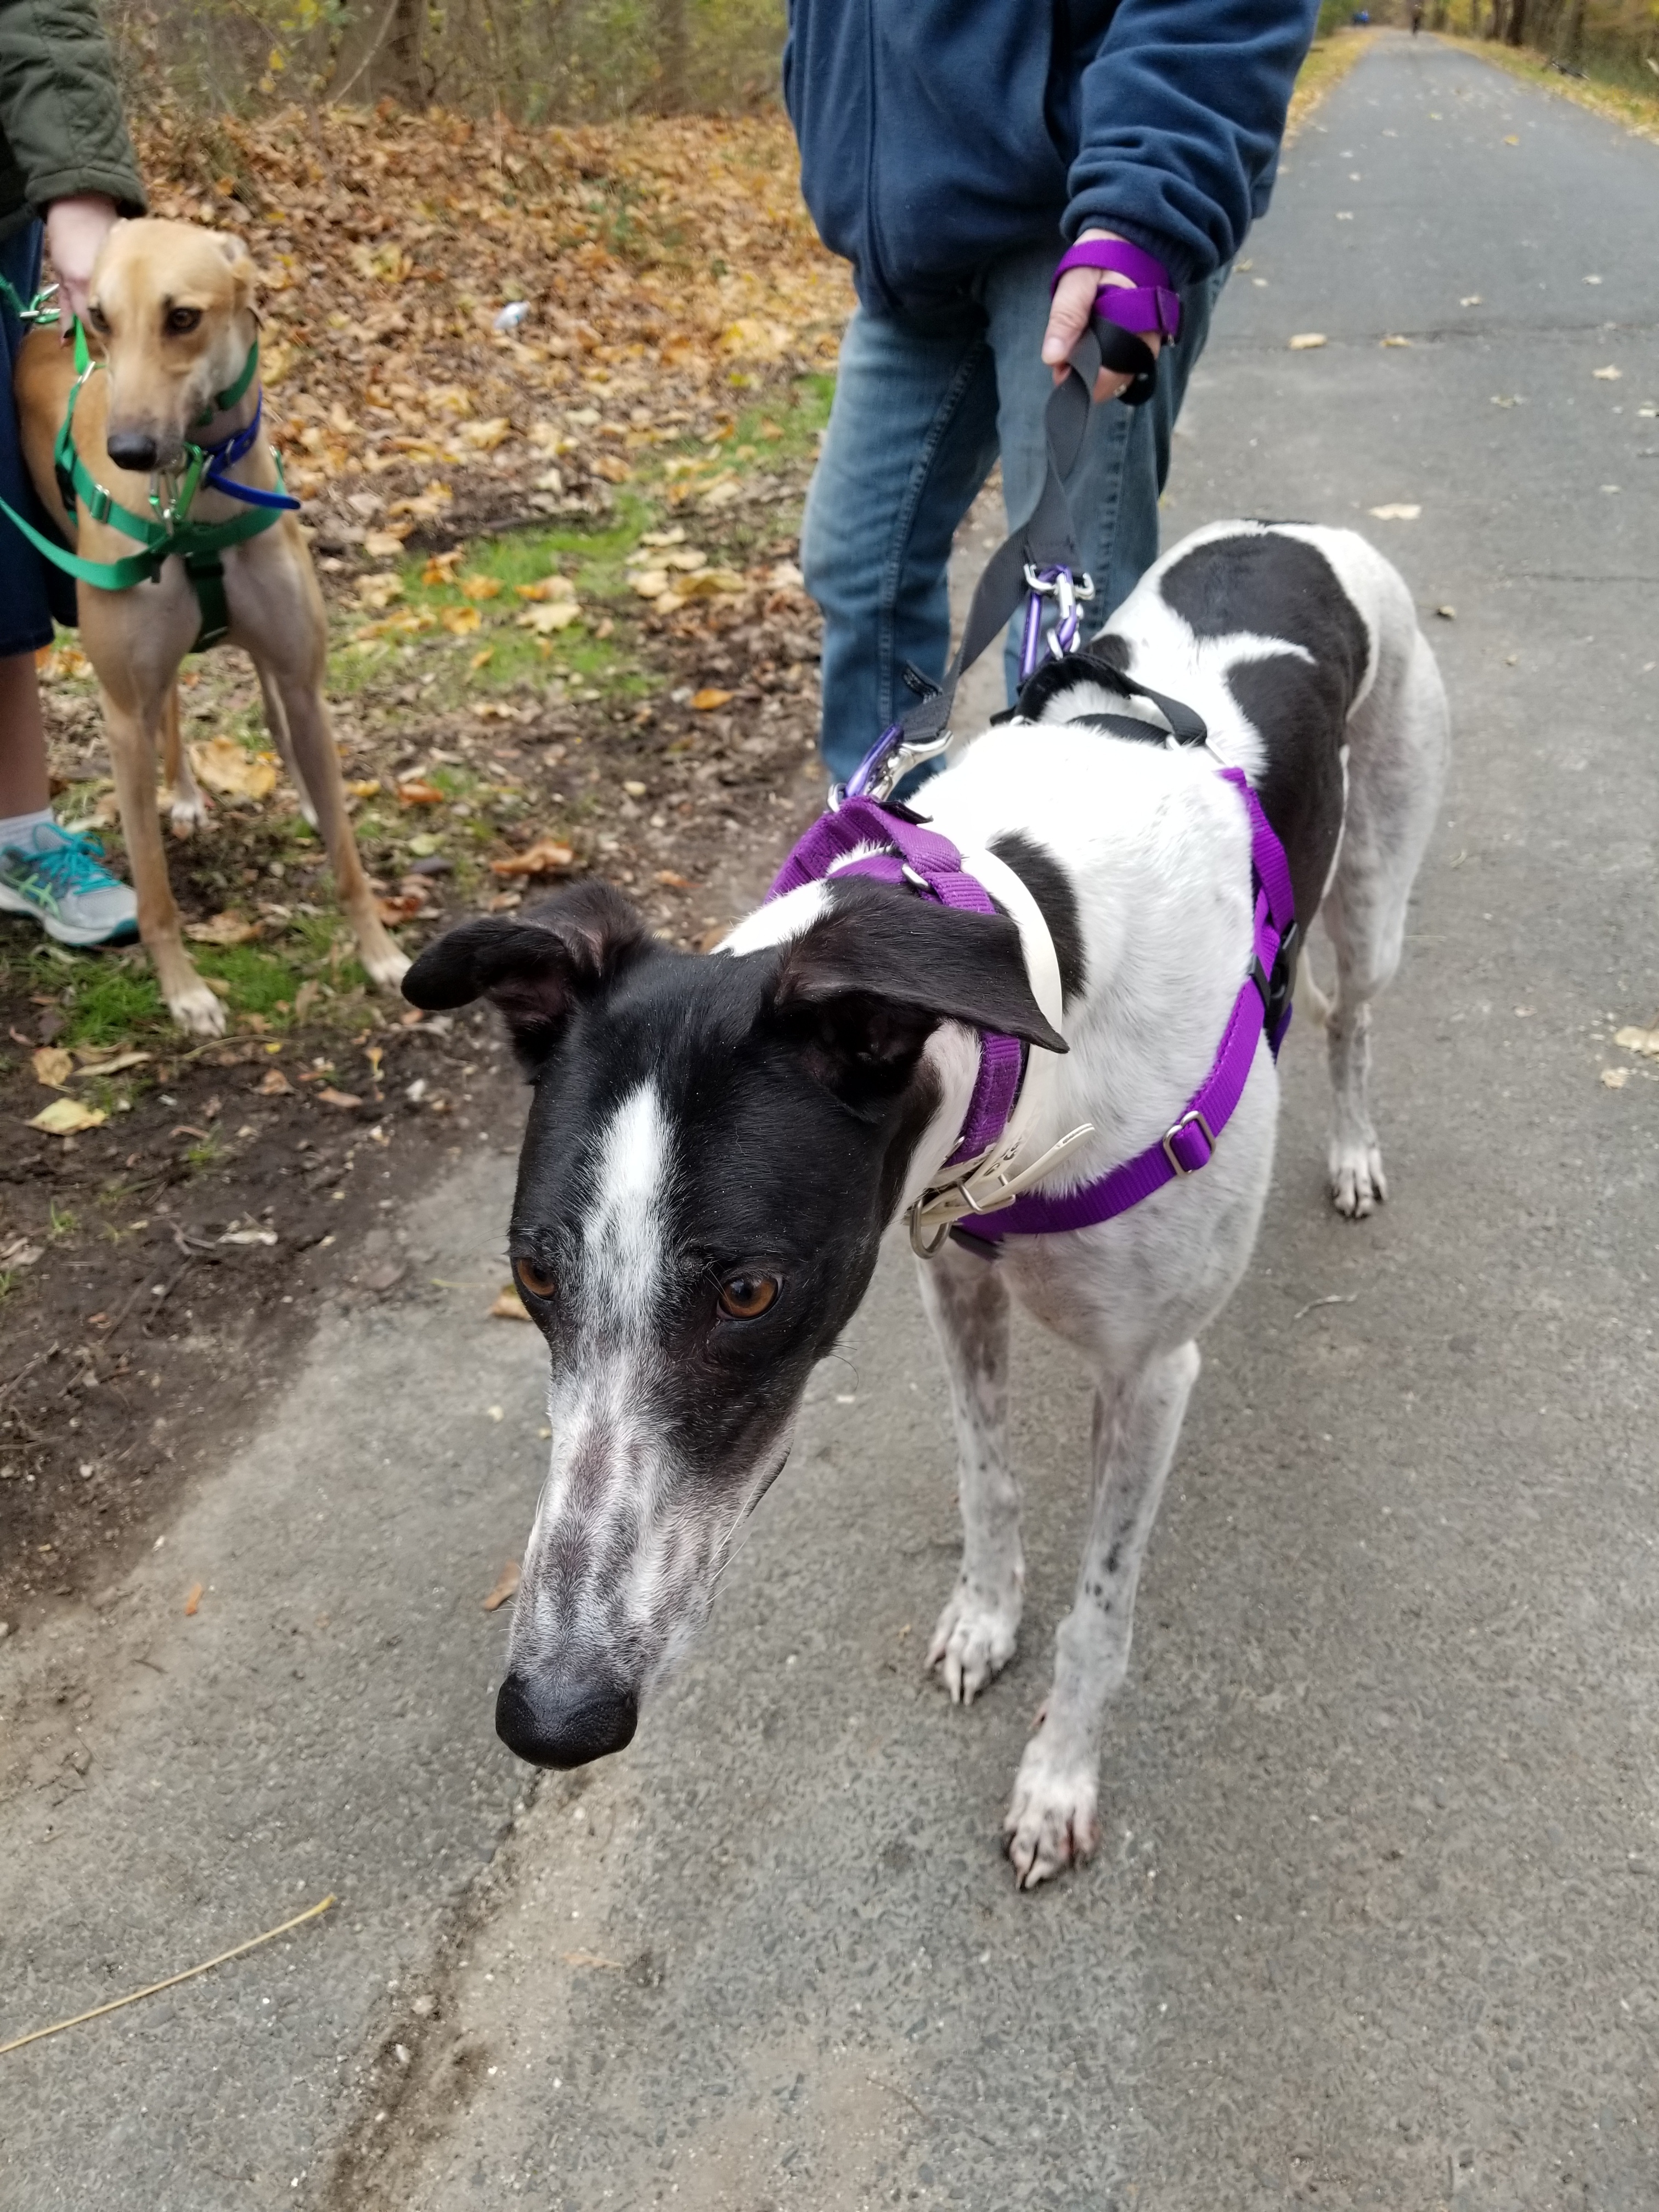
(953, 150)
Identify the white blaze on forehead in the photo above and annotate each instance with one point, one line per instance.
(624, 1235)
(778, 921)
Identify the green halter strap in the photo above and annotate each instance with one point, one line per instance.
(198, 544)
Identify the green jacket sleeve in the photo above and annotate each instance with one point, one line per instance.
(60, 112)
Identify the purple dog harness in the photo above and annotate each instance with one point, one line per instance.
(911, 856)
(863, 836)
(865, 832)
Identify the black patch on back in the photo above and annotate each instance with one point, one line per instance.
(1277, 587)
(1301, 713)
(1051, 887)
(1282, 587)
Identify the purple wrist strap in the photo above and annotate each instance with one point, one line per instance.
(912, 857)
(1149, 303)
(1190, 1141)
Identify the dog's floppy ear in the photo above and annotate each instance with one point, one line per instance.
(533, 966)
(874, 977)
(242, 270)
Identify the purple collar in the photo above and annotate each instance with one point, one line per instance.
(864, 836)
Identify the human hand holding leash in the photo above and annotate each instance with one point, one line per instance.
(1068, 317)
(75, 230)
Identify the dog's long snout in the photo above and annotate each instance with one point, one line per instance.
(564, 1723)
(132, 449)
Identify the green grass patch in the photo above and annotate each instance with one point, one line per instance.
(112, 997)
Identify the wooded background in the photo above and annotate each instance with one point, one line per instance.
(590, 61)
(534, 61)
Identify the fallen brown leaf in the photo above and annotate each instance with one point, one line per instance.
(330, 1097)
(66, 1117)
(416, 793)
(274, 1085)
(506, 1583)
(223, 766)
(52, 1065)
(1645, 1041)
(544, 620)
(95, 1061)
(1305, 341)
(403, 908)
(481, 587)
(708, 699)
(224, 929)
(546, 857)
(460, 622)
(508, 1305)
(193, 1599)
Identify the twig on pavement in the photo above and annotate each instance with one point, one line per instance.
(189, 1973)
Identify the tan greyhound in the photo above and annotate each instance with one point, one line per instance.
(173, 326)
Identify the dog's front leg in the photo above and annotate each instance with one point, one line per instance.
(1053, 1819)
(967, 1302)
(317, 761)
(133, 730)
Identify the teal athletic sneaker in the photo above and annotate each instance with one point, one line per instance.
(60, 879)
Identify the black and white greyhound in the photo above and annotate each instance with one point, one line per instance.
(717, 1144)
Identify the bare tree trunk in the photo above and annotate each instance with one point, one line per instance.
(1516, 31)
(403, 53)
(1575, 45)
(672, 57)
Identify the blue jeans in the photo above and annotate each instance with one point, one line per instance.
(921, 414)
(29, 591)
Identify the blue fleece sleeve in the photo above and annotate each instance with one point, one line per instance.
(1180, 116)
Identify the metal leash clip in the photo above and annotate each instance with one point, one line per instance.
(983, 1186)
(885, 766)
(42, 308)
(1068, 592)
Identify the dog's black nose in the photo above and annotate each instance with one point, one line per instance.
(554, 1725)
(130, 449)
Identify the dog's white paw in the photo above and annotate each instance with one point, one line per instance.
(386, 971)
(186, 811)
(199, 1010)
(1357, 1180)
(974, 1641)
(1054, 1820)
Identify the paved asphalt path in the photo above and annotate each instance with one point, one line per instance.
(1375, 1921)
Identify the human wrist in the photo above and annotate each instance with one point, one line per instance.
(1142, 299)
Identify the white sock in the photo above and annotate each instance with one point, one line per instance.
(19, 828)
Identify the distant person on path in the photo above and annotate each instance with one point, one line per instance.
(953, 153)
(66, 173)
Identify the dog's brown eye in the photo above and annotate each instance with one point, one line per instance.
(95, 317)
(184, 318)
(537, 1280)
(746, 1298)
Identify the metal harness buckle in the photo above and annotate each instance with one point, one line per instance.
(1188, 1120)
